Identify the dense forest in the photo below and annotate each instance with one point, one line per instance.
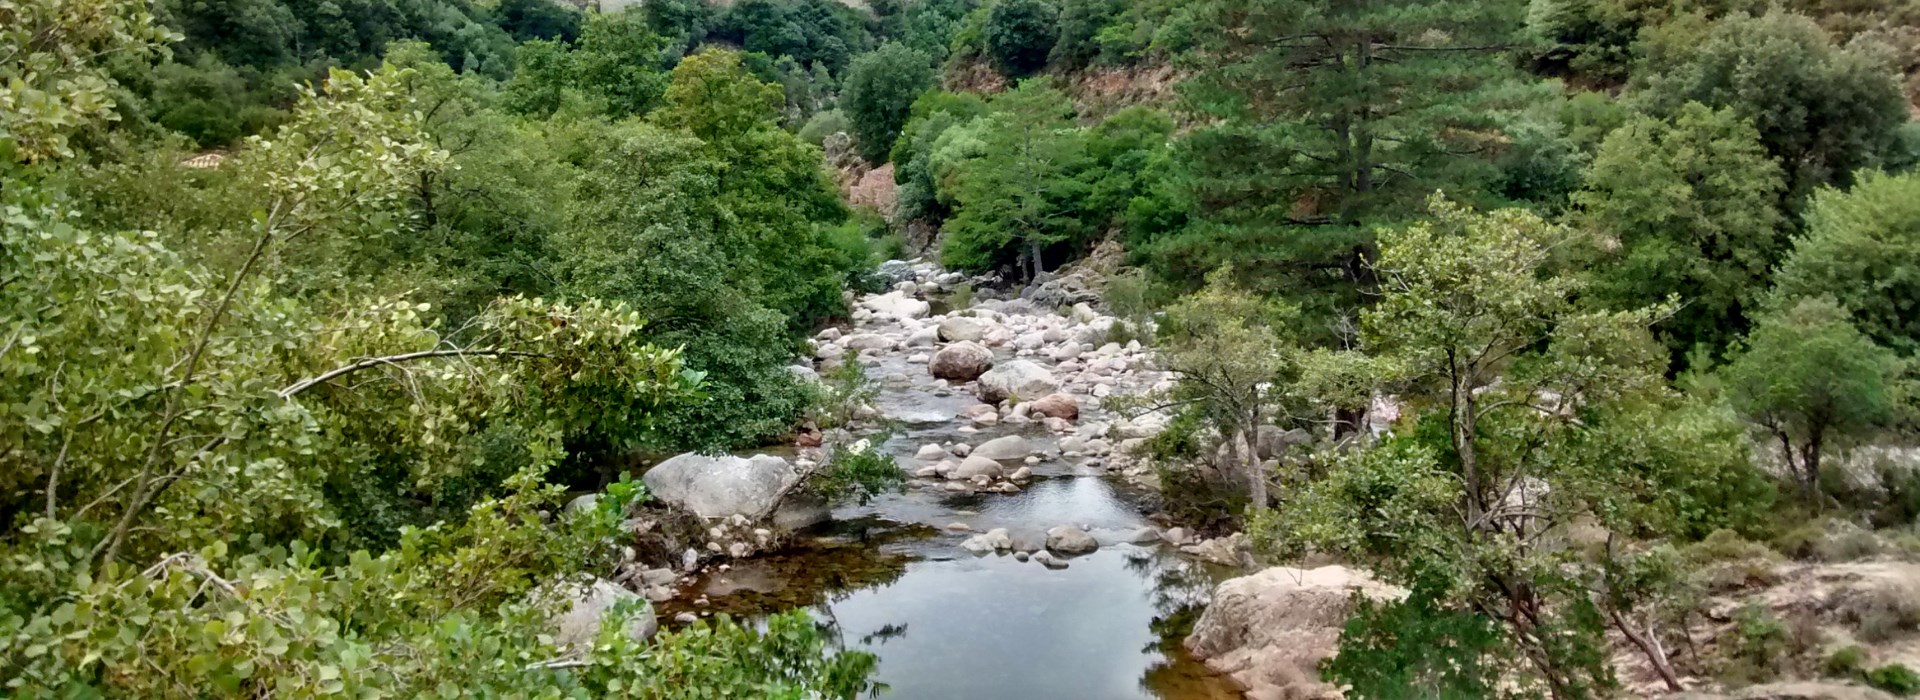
(314, 317)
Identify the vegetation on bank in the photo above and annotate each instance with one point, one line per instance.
(1636, 276)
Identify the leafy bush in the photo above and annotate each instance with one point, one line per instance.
(823, 124)
(1019, 35)
(1894, 678)
(1881, 615)
(880, 90)
(859, 470)
(1415, 648)
(1845, 662)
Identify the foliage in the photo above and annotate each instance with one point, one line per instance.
(843, 391)
(1317, 124)
(1225, 349)
(881, 88)
(1416, 648)
(618, 63)
(52, 79)
(931, 116)
(859, 470)
(1691, 208)
(1894, 678)
(1857, 251)
(824, 124)
(1019, 35)
(1822, 110)
(1015, 195)
(811, 32)
(1809, 377)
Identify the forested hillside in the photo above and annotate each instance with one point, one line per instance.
(334, 336)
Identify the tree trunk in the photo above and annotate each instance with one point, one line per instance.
(1649, 646)
(1250, 462)
(1810, 459)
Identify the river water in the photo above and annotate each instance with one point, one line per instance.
(890, 577)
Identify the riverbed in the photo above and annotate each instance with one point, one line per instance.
(890, 576)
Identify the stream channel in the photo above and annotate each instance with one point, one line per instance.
(889, 577)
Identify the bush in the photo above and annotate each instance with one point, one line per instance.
(1020, 34)
(1762, 647)
(1417, 649)
(859, 470)
(823, 124)
(1880, 615)
(1845, 662)
(1894, 678)
(880, 91)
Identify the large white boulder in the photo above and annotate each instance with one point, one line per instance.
(724, 486)
(582, 604)
(1270, 630)
(1070, 540)
(897, 304)
(1019, 379)
(1003, 448)
(958, 328)
(960, 362)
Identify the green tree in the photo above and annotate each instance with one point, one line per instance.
(1512, 373)
(1692, 209)
(1019, 35)
(880, 90)
(1859, 250)
(1081, 22)
(1019, 196)
(1822, 110)
(1226, 347)
(1810, 378)
(53, 78)
(1319, 123)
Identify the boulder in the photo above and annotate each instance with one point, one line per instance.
(995, 540)
(804, 373)
(1055, 406)
(963, 328)
(1014, 380)
(1232, 550)
(924, 338)
(584, 603)
(799, 512)
(897, 304)
(931, 453)
(868, 341)
(1270, 630)
(1006, 447)
(718, 487)
(1070, 540)
(1049, 561)
(974, 466)
(961, 362)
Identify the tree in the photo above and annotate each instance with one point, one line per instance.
(53, 77)
(880, 89)
(1514, 374)
(1692, 206)
(1019, 35)
(619, 59)
(1823, 111)
(1810, 378)
(1860, 251)
(1226, 348)
(1319, 123)
(1081, 22)
(1018, 196)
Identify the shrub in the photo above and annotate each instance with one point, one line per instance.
(1894, 678)
(1880, 615)
(859, 470)
(823, 124)
(1846, 661)
(1020, 34)
(841, 393)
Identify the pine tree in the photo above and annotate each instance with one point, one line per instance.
(1324, 120)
